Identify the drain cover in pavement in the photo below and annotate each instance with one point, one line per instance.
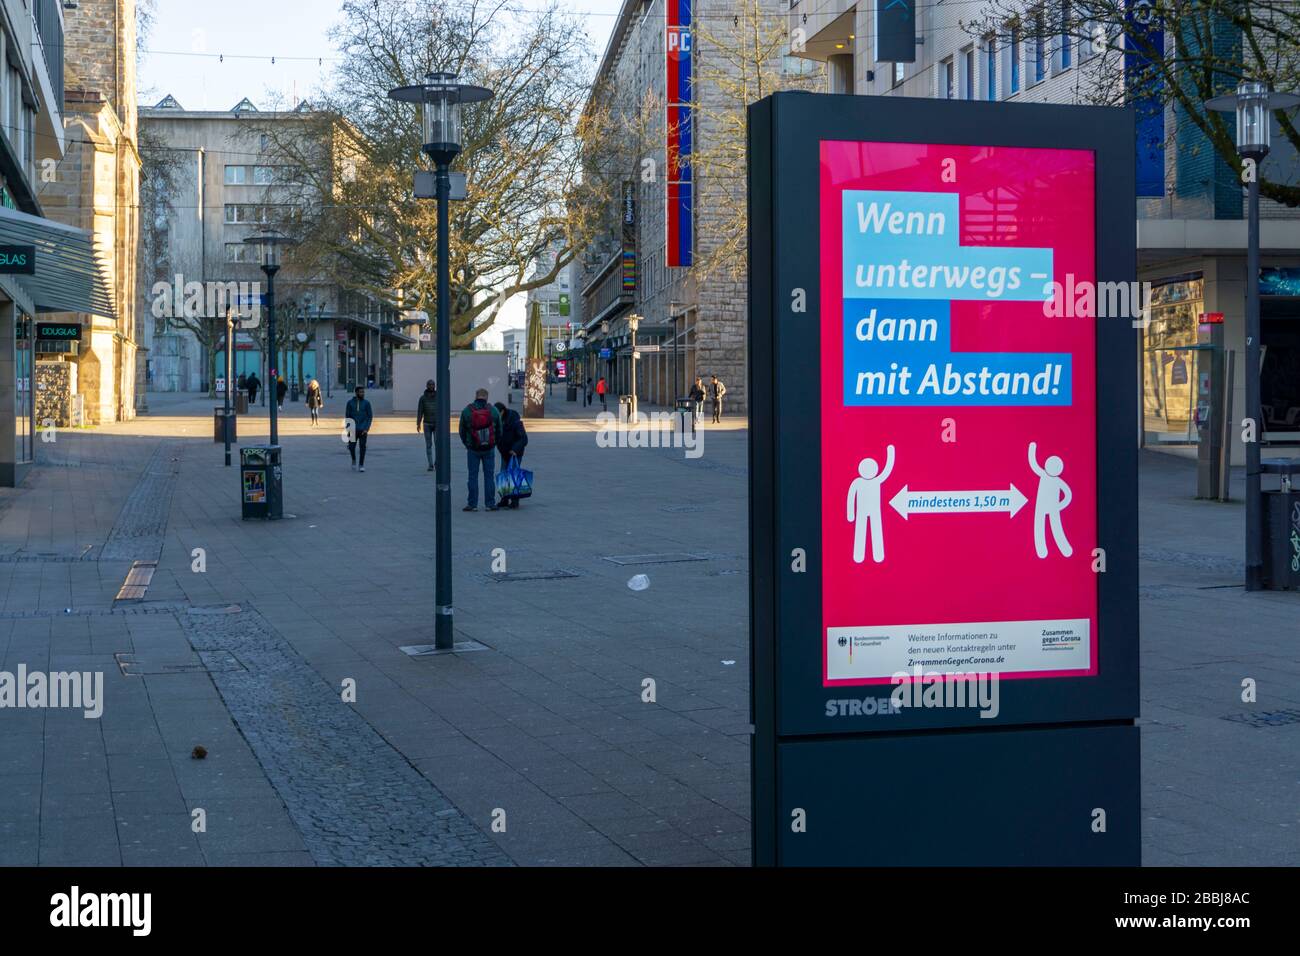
(668, 557)
(1272, 718)
(209, 661)
(554, 575)
(137, 581)
(429, 650)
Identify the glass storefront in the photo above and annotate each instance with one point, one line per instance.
(1172, 361)
(1279, 376)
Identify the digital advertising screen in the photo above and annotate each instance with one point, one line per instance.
(957, 411)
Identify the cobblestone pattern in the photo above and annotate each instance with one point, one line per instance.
(355, 800)
(141, 524)
(1202, 562)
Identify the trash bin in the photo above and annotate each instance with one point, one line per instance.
(625, 408)
(685, 410)
(260, 482)
(293, 392)
(223, 425)
(1281, 525)
(241, 403)
(571, 393)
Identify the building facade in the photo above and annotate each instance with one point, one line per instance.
(660, 76)
(96, 187)
(66, 269)
(561, 335)
(218, 182)
(1189, 215)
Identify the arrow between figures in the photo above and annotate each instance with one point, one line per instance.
(957, 502)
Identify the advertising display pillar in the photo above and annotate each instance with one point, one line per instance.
(944, 629)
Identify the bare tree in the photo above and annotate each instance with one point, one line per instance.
(1208, 47)
(351, 162)
(743, 59)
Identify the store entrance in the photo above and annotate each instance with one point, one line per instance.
(1279, 378)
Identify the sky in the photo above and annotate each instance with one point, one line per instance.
(212, 55)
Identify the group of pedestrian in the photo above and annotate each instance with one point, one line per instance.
(252, 385)
(713, 391)
(484, 429)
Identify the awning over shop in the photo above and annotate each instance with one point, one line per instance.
(384, 329)
(69, 275)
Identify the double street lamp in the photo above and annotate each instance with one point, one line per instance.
(1253, 104)
(441, 97)
(269, 243)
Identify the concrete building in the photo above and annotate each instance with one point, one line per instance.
(218, 183)
(514, 342)
(561, 334)
(97, 188)
(697, 324)
(1189, 216)
(62, 267)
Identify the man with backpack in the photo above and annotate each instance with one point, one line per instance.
(480, 427)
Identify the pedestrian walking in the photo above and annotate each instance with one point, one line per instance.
(717, 390)
(480, 425)
(601, 389)
(697, 403)
(511, 444)
(586, 393)
(361, 416)
(281, 389)
(241, 383)
(426, 417)
(315, 401)
(252, 384)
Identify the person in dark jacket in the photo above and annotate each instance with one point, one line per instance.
(697, 402)
(252, 384)
(281, 389)
(480, 425)
(314, 401)
(513, 441)
(361, 415)
(426, 417)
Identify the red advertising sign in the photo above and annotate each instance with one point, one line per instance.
(959, 448)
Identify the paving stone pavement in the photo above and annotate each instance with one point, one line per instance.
(355, 800)
(549, 723)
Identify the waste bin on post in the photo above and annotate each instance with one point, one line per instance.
(625, 408)
(259, 482)
(223, 425)
(1281, 525)
(685, 410)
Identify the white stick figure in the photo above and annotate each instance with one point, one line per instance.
(864, 507)
(1053, 497)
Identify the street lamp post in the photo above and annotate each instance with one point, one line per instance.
(441, 97)
(230, 371)
(633, 321)
(1253, 102)
(268, 243)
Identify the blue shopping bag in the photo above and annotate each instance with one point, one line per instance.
(505, 483)
(522, 478)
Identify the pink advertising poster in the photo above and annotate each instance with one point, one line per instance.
(958, 411)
